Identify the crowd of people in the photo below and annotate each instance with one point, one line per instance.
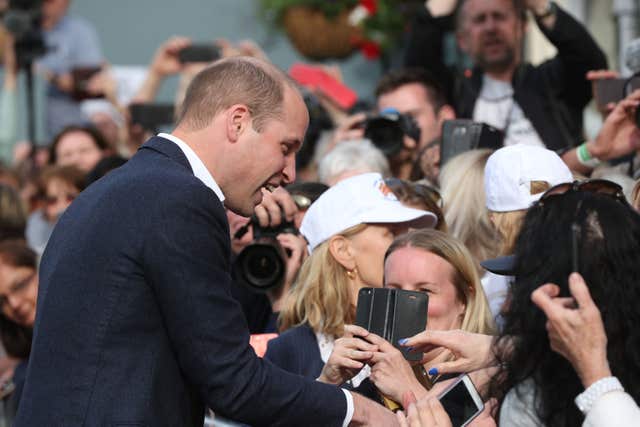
(148, 278)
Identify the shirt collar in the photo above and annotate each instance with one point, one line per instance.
(199, 169)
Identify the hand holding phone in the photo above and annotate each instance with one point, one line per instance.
(461, 401)
(393, 314)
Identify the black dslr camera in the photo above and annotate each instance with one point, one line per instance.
(262, 264)
(23, 20)
(387, 130)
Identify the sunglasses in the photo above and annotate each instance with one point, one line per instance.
(52, 200)
(413, 188)
(599, 186)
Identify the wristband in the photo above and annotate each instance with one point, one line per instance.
(585, 158)
(586, 399)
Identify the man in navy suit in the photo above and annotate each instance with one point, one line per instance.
(135, 323)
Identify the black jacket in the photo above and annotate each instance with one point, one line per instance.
(552, 95)
(136, 325)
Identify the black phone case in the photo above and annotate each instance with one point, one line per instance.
(199, 53)
(393, 314)
(152, 116)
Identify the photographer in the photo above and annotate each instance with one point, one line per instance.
(411, 107)
(72, 43)
(267, 259)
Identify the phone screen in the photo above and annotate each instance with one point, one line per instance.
(459, 404)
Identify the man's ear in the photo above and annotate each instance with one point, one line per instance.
(238, 120)
(342, 251)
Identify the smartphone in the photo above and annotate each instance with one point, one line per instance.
(152, 116)
(80, 77)
(393, 314)
(461, 135)
(203, 52)
(462, 401)
(316, 78)
(613, 90)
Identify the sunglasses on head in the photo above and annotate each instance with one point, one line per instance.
(599, 186)
(421, 190)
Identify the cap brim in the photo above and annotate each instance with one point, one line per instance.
(396, 214)
(503, 266)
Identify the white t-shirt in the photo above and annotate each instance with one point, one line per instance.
(497, 107)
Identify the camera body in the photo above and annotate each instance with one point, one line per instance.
(388, 128)
(23, 19)
(262, 264)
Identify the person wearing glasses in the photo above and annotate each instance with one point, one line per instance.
(59, 186)
(18, 295)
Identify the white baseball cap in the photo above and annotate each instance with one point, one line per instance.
(510, 171)
(360, 199)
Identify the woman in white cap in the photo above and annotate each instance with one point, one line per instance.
(348, 228)
(514, 178)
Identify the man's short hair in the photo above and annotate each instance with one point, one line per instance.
(518, 5)
(240, 80)
(397, 78)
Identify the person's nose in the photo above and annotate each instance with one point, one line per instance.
(13, 301)
(289, 171)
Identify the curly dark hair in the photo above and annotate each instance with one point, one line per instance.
(608, 251)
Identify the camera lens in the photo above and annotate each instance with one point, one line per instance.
(385, 134)
(261, 265)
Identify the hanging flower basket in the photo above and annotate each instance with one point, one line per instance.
(317, 36)
(322, 29)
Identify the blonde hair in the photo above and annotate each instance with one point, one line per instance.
(321, 296)
(462, 189)
(477, 316)
(508, 224)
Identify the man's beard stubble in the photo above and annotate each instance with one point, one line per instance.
(499, 64)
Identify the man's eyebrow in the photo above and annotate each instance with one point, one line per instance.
(294, 143)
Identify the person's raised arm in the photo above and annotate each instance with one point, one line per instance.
(618, 137)
(165, 63)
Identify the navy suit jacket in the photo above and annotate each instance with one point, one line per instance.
(136, 325)
(296, 350)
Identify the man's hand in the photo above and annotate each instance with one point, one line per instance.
(369, 413)
(165, 62)
(296, 246)
(441, 7)
(619, 135)
(348, 130)
(348, 357)
(577, 333)
(269, 212)
(471, 351)
(537, 7)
